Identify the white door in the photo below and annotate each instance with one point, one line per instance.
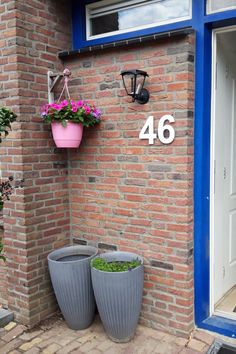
(225, 172)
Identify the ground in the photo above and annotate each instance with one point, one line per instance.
(53, 336)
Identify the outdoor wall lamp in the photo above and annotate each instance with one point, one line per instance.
(133, 81)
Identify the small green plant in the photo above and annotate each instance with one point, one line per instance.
(7, 117)
(114, 266)
(2, 257)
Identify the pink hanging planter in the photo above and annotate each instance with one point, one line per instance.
(69, 136)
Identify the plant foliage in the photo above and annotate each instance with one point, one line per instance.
(114, 266)
(6, 189)
(6, 118)
(2, 257)
(73, 111)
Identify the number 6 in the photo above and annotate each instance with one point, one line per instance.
(162, 127)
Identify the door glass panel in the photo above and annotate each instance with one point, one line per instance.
(219, 5)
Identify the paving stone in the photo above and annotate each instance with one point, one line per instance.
(189, 351)
(2, 332)
(63, 341)
(88, 346)
(69, 348)
(164, 348)
(76, 351)
(181, 341)
(86, 338)
(196, 345)
(29, 345)
(27, 336)
(204, 337)
(33, 351)
(46, 342)
(114, 350)
(10, 326)
(149, 332)
(51, 349)
(104, 345)
(15, 343)
(15, 332)
(168, 338)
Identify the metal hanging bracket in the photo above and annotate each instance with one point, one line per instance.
(53, 82)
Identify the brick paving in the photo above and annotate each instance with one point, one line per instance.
(53, 336)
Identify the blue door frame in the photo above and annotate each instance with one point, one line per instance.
(203, 25)
(202, 143)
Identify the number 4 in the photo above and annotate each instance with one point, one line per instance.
(149, 125)
(162, 128)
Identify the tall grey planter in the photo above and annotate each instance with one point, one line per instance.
(119, 296)
(70, 273)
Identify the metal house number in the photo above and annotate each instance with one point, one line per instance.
(165, 131)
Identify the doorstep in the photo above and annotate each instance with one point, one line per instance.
(6, 317)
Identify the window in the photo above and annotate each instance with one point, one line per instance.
(219, 5)
(105, 18)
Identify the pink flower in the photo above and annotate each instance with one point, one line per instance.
(44, 109)
(64, 103)
(74, 109)
(79, 103)
(56, 106)
(87, 109)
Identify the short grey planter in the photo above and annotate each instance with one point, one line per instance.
(119, 296)
(69, 269)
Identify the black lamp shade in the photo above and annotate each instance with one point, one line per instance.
(133, 81)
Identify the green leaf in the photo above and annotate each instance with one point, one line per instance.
(114, 266)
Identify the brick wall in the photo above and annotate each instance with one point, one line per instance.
(126, 194)
(36, 220)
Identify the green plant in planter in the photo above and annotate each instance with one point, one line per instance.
(117, 279)
(115, 266)
(73, 111)
(7, 117)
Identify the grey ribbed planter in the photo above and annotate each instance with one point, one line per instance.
(69, 269)
(119, 296)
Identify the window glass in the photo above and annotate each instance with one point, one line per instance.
(122, 16)
(219, 5)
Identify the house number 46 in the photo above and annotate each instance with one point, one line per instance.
(165, 131)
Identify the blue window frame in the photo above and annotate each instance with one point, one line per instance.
(79, 28)
(203, 25)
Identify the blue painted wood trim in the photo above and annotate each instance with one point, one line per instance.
(220, 325)
(79, 42)
(79, 24)
(202, 126)
(219, 16)
(201, 163)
